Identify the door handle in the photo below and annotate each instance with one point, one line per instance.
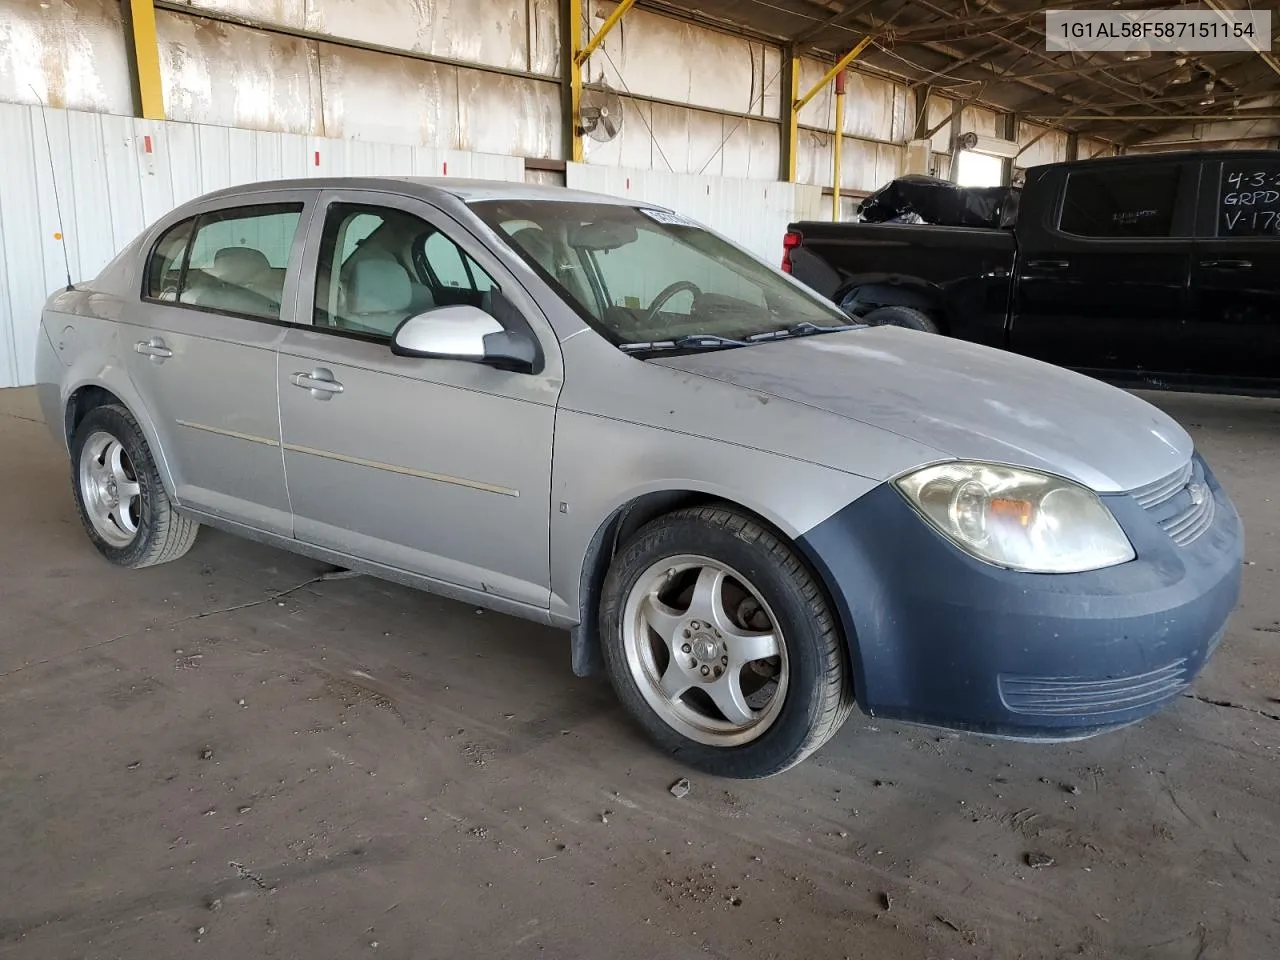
(1048, 264)
(153, 348)
(1227, 264)
(319, 381)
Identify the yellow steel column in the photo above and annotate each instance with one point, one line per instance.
(578, 55)
(571, 63)
(798, 101)
(146, 58)
(835, 148)
(793, 119)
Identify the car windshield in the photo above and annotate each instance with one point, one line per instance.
(647, 277)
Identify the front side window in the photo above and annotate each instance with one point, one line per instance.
(379, 266)
(1249, 199)
(642, 275)
(238, 259)
(1118, 203)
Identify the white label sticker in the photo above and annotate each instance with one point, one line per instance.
(667, 217)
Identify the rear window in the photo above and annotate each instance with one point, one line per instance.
(1121, 203)
(1249, 199)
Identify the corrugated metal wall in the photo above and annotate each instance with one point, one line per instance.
(115, 175)
(752, 214)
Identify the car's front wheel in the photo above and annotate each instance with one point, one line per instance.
(122, 503)
(721, 643)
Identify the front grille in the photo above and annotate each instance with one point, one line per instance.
(1079, 697)
(1181, 503)
(1154, 494)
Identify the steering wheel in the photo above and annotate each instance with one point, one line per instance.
(665, 294)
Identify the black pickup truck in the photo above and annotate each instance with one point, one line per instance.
(1158, 271)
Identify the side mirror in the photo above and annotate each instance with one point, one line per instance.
(464, 332)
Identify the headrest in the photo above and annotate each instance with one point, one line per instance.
(535, 243)
(379, 286)
(239, 264)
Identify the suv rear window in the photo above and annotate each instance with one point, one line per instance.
(1116, 203)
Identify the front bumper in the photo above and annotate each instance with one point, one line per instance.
(941, 638)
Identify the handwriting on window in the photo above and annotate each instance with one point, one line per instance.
(1250, 200)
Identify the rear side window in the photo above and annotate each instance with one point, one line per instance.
(230, 261)
(1249, 199)
(164, 272)
(1116, 203)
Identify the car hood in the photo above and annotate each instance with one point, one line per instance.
(969, 401)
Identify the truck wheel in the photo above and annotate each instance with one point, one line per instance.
(121, 501)
(908, 317)
(721, 644)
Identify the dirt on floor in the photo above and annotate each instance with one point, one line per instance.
(229, 756)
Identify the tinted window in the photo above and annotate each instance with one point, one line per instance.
(1118, 203)
(1249, 199)
(238, 260)
(397, 266)
(164, 271)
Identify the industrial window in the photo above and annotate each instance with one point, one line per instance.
(1116, 203)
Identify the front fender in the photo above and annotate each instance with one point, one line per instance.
(601, 465)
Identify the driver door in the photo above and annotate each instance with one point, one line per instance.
(438, 467)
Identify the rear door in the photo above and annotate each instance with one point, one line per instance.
(1103, 266)
(1235, 284)
(217, 292)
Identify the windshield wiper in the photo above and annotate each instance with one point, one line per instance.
(805, 328)
(693, 341)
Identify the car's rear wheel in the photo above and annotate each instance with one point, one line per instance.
(121, 501)
(721, 644)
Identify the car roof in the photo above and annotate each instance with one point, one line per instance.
(466, 190)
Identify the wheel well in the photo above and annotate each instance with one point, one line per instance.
(626, 520)
(81, 402)
(862, 299)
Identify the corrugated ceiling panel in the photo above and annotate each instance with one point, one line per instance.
(237, 77)
(1051, 147)
(683, 140)
(655, 56)
(374, 96)
(938, 112)
(980, 121)
(64, 55)
(492, 32)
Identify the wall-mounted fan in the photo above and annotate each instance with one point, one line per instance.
(600, 114)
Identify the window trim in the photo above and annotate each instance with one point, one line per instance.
(300, 229)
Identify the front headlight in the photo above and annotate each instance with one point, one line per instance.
(1018, 518)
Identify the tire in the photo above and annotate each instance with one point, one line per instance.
(908, 317)
(119, 496)
(673, 657)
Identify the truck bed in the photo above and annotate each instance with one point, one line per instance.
(968, 268)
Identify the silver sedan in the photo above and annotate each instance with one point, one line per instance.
(594, 413)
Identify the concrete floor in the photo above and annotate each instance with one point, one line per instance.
(226, 757)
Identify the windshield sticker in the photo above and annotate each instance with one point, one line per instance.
(667, 217)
